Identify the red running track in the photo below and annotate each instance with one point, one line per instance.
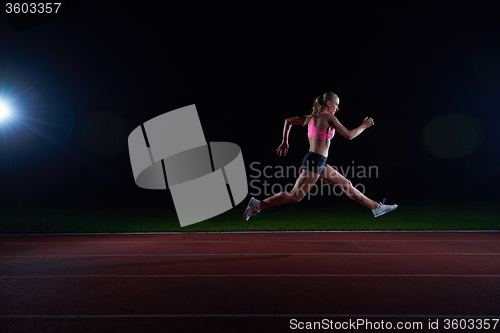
(248, 282)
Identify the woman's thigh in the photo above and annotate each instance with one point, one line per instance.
(333, 177)
(304, 183)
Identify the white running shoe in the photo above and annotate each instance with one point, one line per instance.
(383, 209)
(252, 209)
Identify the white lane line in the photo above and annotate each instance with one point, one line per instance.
(242, 275)
(246, 255)
(291, 315)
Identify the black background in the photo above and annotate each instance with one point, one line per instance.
(82, 81)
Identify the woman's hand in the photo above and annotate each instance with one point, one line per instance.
(367, 122)
(282, 149)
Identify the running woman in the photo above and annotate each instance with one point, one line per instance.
(322, 125)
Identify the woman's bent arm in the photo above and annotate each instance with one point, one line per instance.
(283, 148)
(288, 124)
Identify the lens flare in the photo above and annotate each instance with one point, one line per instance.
(4, 111)
(452, 136)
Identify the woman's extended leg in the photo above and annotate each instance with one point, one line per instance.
(333, 177)
(302, 186)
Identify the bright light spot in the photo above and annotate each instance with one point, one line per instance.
(4, 111)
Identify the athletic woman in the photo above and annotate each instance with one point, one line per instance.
(322, 125)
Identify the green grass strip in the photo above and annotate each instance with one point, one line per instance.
(291, 218)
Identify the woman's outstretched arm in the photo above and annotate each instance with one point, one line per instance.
(350, 134)
(283, 148)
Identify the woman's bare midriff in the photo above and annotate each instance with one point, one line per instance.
(319, 146)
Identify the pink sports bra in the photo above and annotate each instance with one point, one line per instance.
(314, 132)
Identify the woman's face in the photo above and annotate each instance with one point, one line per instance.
(333, 106)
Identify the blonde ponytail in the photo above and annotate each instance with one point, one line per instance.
(319, 104)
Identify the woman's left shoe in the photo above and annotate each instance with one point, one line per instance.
(252, 209)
